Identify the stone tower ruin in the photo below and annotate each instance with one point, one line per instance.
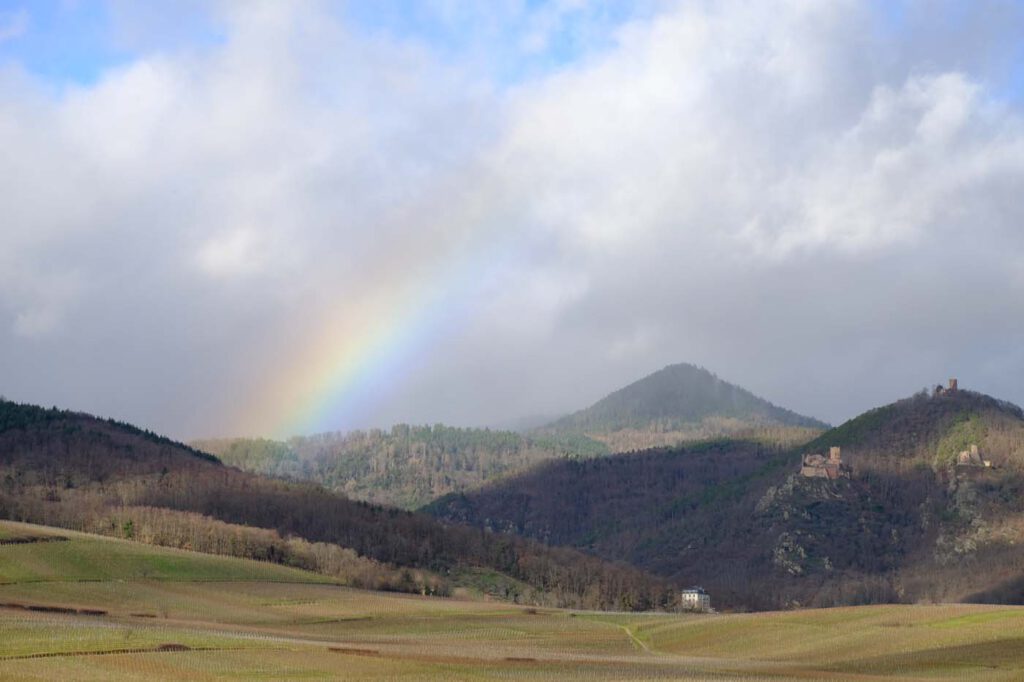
(951, 390)
(818, 466)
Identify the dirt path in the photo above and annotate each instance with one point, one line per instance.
(636, 640)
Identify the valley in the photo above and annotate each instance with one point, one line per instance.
(105, 609)
(408, 340)
(157, 559)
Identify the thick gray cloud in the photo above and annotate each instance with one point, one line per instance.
(310, 226)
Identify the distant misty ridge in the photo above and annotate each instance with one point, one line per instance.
(410, 465)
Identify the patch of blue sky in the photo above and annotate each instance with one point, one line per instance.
(59, 41)
(511, 40)
(983, 38)
(76, 41)
(73, 42)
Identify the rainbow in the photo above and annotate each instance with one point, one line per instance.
(366, 344)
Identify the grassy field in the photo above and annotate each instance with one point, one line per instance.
(65, 556)
(89, 608)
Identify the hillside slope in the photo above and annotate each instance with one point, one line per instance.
(75, 471)
(680, 403)
(735, 516)
(406, 466)
(40, 554)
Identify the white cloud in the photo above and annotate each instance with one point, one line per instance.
(122, 122)
(234, 253)
(771, 190)
(895, 175)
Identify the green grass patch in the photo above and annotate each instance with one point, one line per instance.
(855, 431)
(27, 636)
(92, 558)
(966, 430)
(482, 581)
(973, 619)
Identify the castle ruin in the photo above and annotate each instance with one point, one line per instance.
(950, 390)
(972, 458)
(818, 466)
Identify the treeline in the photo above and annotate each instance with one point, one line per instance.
(667, 434)
(199, 533)
(75, 470)
(410, 466)
(23, 416)
(407, 466)
(559, 577)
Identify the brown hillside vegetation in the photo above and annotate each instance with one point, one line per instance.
(75, 471)
(909, 524)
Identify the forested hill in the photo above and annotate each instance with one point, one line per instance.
(909, 524)
(72, 470)
(679, 403)
(22, 418)
(406, 466)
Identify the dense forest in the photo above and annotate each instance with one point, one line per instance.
(907, 525)
(73, 470)
(405, 467)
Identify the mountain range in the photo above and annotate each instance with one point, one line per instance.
(408, 466)
(921, 500)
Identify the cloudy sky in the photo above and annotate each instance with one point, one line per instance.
(283, 217)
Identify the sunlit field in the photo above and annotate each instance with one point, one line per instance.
(92, 608)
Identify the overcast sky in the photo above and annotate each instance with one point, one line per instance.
(281, 217)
